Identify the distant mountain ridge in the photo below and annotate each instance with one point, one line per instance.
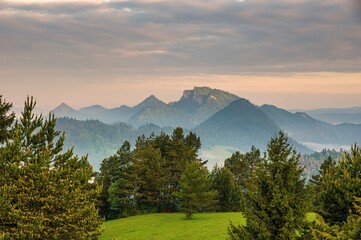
(335, 115)
(222, 120)
(194, 107)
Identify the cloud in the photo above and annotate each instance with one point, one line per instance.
(217, 36)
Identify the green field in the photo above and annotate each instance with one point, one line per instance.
(172, 226)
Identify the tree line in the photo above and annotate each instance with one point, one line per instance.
(47, 192)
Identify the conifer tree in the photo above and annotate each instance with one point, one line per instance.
(228, 191)
(340, 183)
(116, 176)
(276, 199)
(47, 193)
(195, 189)
(6, 119)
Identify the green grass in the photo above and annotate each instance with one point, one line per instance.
(174, 226)
(171, 226)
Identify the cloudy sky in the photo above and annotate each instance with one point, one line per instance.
(291, 53)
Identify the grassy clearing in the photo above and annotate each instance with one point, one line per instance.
(174, 226)
(171, 226)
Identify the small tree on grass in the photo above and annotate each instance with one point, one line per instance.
(195, 189)
(276, 200)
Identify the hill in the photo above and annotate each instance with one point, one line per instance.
(163, 116)
(64, 110)
(335, 115)
(314, 133)
(92, 110)
(99, 140)
(240, 125)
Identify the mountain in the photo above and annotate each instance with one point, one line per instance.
(115, 115)
(150, 101)
(99, 140)
(125, 113)
(301, 126)
(64, 110)
(203, 102)
(311, 132)
(92, 110)
(240, 125)
(336, 115)
(163, 116)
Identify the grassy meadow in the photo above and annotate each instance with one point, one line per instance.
(173, 226)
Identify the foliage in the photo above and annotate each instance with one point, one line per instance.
(244, 166)
(276, 199)
(227, 188)
(45, 193)
(146, 179)
(351, 229)
(195, 189)
(339, 183)
(6, 119)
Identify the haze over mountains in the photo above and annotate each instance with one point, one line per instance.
(220, 118)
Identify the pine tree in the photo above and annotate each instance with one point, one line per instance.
(116, 174)
(6, 119)
(150, 170)
(339, 185)
(47, 193)
(195, 189)
(276, 199)
(228, 191)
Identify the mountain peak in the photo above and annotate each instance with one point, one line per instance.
(63, 106)
(93, 109)
(151, 101)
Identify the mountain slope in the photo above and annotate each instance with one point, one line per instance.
(314, 133)
(203, 102)
(92, 110)
(301, 126)
(336, 115)
(64, 110)
(163, 116)
(240, 125)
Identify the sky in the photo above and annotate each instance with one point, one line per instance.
(296, 54)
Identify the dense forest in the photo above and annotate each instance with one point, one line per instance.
(47, 192)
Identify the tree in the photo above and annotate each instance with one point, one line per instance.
(151, 181)
(46, 193)
(228, 191)
(195, 189)
(339, 184)
(116, 176)
(243, 166)
(351, 229)
(276, 199)
(316, 181)
(6, 119)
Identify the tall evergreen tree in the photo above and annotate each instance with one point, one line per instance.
(243, 166)
(276, 200)
(116, 176)
(150, 170)
(46, 194)
(227, 188)
(195, 189)
(6, 119)
(339, 184)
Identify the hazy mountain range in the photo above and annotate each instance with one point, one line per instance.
(222, 120)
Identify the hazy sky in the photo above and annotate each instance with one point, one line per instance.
(291, 53)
